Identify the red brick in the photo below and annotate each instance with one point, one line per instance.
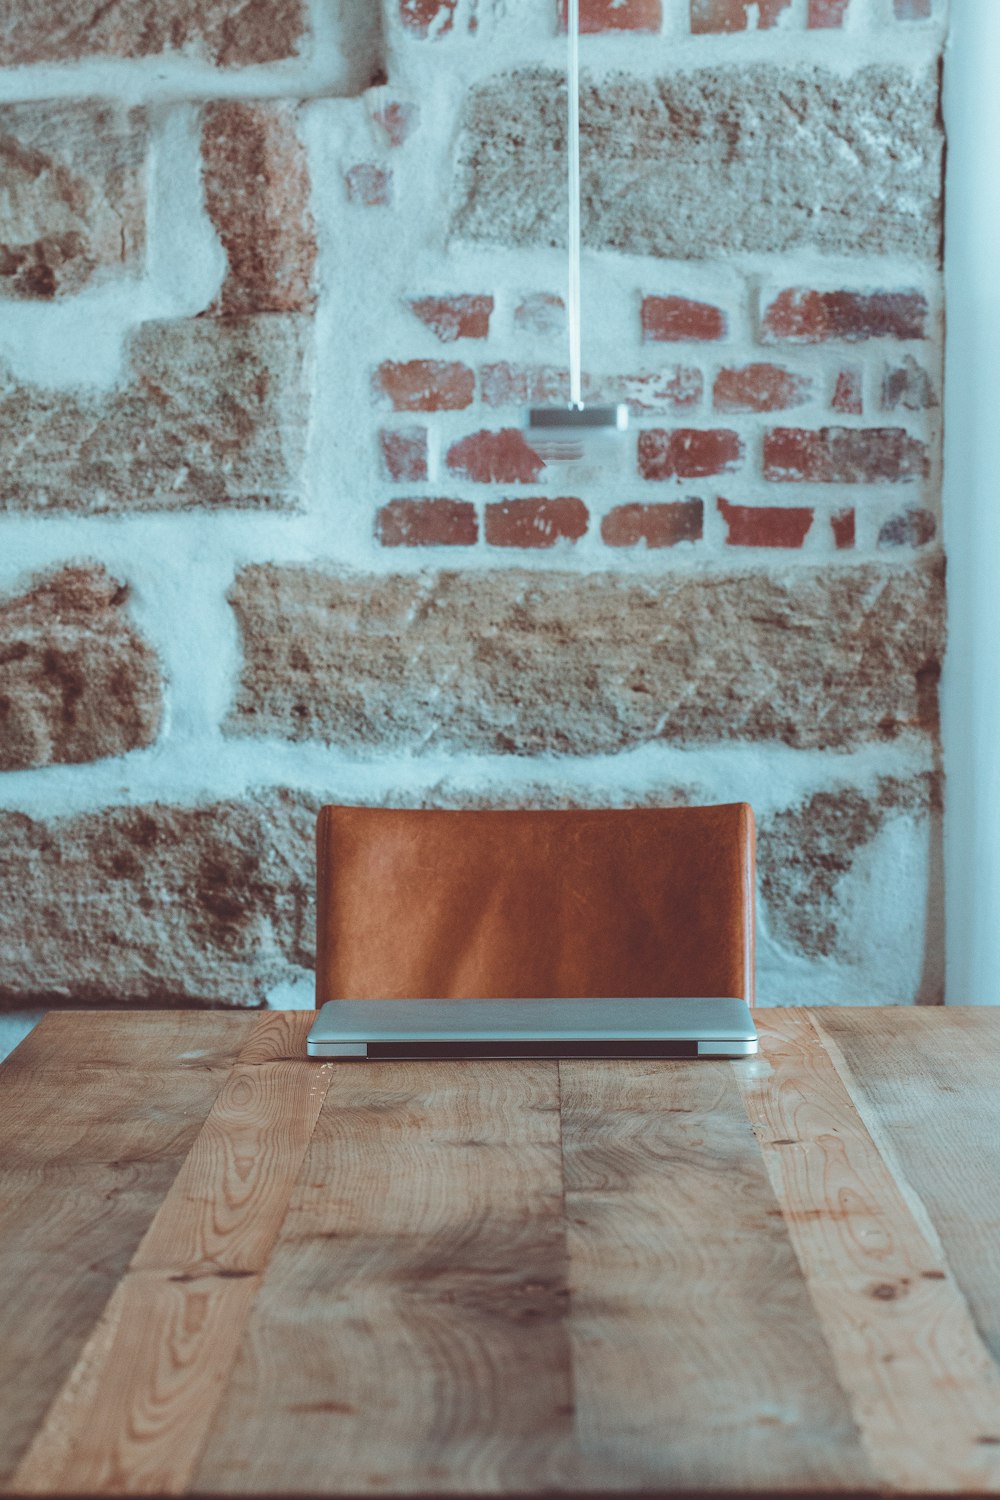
(847, 393)
(615, 15)
(668, 320)
(765, 525)
(397, 121)
(842, 525)
(428, 17)
(827, 13)
(523, 385)
(425, 385)
(806, 317)
(908, 385)
(535, 523)
(369, 184)
(454, 318)
(913, 527)
(688, 452)
(427, 523)
(502, 457)
(913, 10)
(676, 388)
(404, 453)
(257, 194)
(655, 525)
(731, 15)
(541, 312)
(843, 455)
(759, 388)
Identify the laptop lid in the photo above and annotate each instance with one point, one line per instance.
(386, 1029)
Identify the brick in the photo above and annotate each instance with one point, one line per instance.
(675, 163)
(847, 393)
(734, 15)
(675, 388)
(765, 525)
(369, 185)
(427, 523)
(843, 455)
(913, 10)
(535, 523)
(653, 525)
(505, 384)
(452, 318)
(807, 851)
(759, 387)
(528, 661)
(679, 320)
(842, 525)
(826, 14)
(913, 527)
(36, 31)
(615, 15)
(428, 18)
(541, 313)
(688, 453)
(77, 680)
(909, 386)
(804, 317)
(212, 412)
(158, 904)
(503, 457)
(397, 120)
(257, 195)
(404, 453)
(425, 385)
(73, 207)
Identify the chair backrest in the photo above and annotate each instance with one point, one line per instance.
(416, 903)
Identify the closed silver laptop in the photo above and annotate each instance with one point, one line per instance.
(385, 1029)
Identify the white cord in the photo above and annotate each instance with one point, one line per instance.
(573, 153)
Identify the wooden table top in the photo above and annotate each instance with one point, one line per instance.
(228, 1269)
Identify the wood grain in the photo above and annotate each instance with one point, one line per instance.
(409, 1334)
(930, 1093)
(97, 1113)
(136, 1408)
(698, 1359)
(897, 1325)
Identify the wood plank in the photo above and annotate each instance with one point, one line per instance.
(409, 1335)
(897, 1325)
(925, 1079)
(97, 1112)
(134, 1414)
(698, 1359)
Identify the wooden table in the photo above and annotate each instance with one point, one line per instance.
(227, 1269)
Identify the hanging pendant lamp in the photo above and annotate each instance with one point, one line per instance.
(560, 433)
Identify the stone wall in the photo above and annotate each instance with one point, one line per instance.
(278, 282)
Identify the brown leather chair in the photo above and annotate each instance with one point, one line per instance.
(522, 905)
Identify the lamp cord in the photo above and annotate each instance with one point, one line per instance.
(573, 153)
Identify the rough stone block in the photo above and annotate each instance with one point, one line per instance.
(806, 851)
(530, 662)
(257, 195)
(213, 412)
(77, 681)
(73, 206)
(158, 905)
(231, 35)
(711, 162)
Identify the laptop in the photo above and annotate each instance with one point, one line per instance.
(378, 1030)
